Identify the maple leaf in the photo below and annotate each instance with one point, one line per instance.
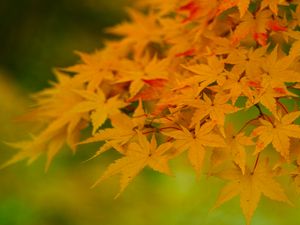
(138, 156)
(273, 81)
(216, 109)
(274, 25)
(182, 95)
(235, 148)
(278, 133)
(296, 17)
(93, 70)
(142, 30)
(295, 49)
(243, 6)
(151, 70)
(237, 85)
(192, 8)
(163, 8)
(154, 89)
(252, 25)
(274, 68)
(49, 141)
(272, 4)
(227, 4)
(27, 149)
(54, 105)
(195, 142)
(205, 74)
(269, 94)
(198, 11)
(124, 129)
(100, 107)
(57, 100)
(248, 60)
(250, 186)
(261, 38)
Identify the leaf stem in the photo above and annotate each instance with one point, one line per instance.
(246, 124)
(255, 164)
(282, 106)
(266, 117)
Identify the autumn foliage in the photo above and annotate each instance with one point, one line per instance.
(170, 86)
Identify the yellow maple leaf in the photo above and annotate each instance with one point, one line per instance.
(147, 69)
(269, 94)
(138, 156)
(142, 30)
(235, 86)
(251, 25)
(94, 69)
(235, 148)
(250, 186)
(227, 4)
(248, 60)
(216, 109)
(100, 107)
(124, 129)
(163, 8)
(195, 142)
(272, 4)
(278, 133)
(54, 106)
(27, 149)
(274, 67)
(271, 83)
(205, 73)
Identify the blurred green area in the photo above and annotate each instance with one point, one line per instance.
(39, 35)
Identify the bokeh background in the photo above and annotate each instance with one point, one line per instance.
(37, 35)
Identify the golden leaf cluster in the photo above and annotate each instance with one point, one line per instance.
(172, 82)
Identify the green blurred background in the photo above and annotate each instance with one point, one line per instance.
(37, 35)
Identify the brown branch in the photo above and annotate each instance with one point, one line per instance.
(256, 163)
(246, 124)
(282, 106)
(266, 117)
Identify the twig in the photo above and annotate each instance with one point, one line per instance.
(256, 163)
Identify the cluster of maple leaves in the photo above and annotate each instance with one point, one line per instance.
(168, 85)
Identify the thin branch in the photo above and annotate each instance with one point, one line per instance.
(262, 114)
(256, 163)
(248, 123)
(282, 106)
